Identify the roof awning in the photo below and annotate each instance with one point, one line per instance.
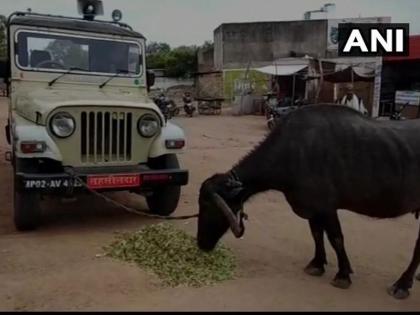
(282, 70)
(351, 74)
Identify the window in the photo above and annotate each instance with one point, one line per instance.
(39, 51)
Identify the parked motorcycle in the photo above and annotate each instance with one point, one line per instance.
(167, 106)
(276, 110)
(189, 107)
(173, 109)
(271, 103)
(397, 113)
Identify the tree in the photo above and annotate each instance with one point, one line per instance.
(3, 38)
(156, 54)
(178, 62)
(155, 48)
(208, 45)
(182, 61)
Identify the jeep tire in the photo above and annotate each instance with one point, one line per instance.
(27, 212)
(164, 201)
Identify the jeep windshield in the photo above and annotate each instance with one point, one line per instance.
(48, 52)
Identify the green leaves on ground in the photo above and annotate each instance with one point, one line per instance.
(173, 256)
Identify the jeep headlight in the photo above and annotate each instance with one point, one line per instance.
(62, 125)
(148, 126)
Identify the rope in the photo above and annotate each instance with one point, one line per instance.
(124, 207)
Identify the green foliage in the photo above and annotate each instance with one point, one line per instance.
(207, 45)
(182, 61)
(173, 256)
(157, 48)
(177, 62)
(156, 54)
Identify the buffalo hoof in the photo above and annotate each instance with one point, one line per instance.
(398, 293)
(315, 271)
(342, 283)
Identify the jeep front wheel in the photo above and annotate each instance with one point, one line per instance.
(27, 212)
(164, 201)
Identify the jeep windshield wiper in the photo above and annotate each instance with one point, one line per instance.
(115, 76)
(69, 71)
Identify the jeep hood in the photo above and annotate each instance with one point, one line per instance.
(36, 105)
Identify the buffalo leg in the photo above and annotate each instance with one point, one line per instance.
(401, 289)
(317, 266)
(336, 238)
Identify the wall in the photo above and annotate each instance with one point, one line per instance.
(326, 94)
(205, 60)
(411, 112)
(165, 83)
(231, 83)
(239, 44)
(234, 83)
(301, 37)
(218, 48)
(209, 85)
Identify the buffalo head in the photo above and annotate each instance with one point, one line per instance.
(221, 204)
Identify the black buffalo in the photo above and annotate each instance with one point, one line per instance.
(323, 158)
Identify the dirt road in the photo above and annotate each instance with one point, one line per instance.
(56, 267)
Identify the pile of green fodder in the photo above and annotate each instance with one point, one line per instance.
(174, 256)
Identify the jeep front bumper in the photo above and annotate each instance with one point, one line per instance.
(138, 179)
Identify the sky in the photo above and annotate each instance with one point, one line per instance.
(192, 22)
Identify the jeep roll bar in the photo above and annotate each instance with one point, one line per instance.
(22, 13)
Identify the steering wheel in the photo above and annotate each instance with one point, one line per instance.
(50, 62)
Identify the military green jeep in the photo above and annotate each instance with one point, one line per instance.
(79, 109)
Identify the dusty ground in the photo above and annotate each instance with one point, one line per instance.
(55, 268)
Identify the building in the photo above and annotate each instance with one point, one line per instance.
(238, 45)
(208, 80)
(402, 75)
(244, 53)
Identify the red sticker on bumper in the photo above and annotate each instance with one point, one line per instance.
(113, 181)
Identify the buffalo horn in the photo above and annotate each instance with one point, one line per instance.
(234, 223)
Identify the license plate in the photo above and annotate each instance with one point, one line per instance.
(50, 183)
(113, 181)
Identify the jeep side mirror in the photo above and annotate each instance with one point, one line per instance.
(150, 79)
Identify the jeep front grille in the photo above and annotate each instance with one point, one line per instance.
(106, 136)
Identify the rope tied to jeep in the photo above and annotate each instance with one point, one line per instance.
(74, 177)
